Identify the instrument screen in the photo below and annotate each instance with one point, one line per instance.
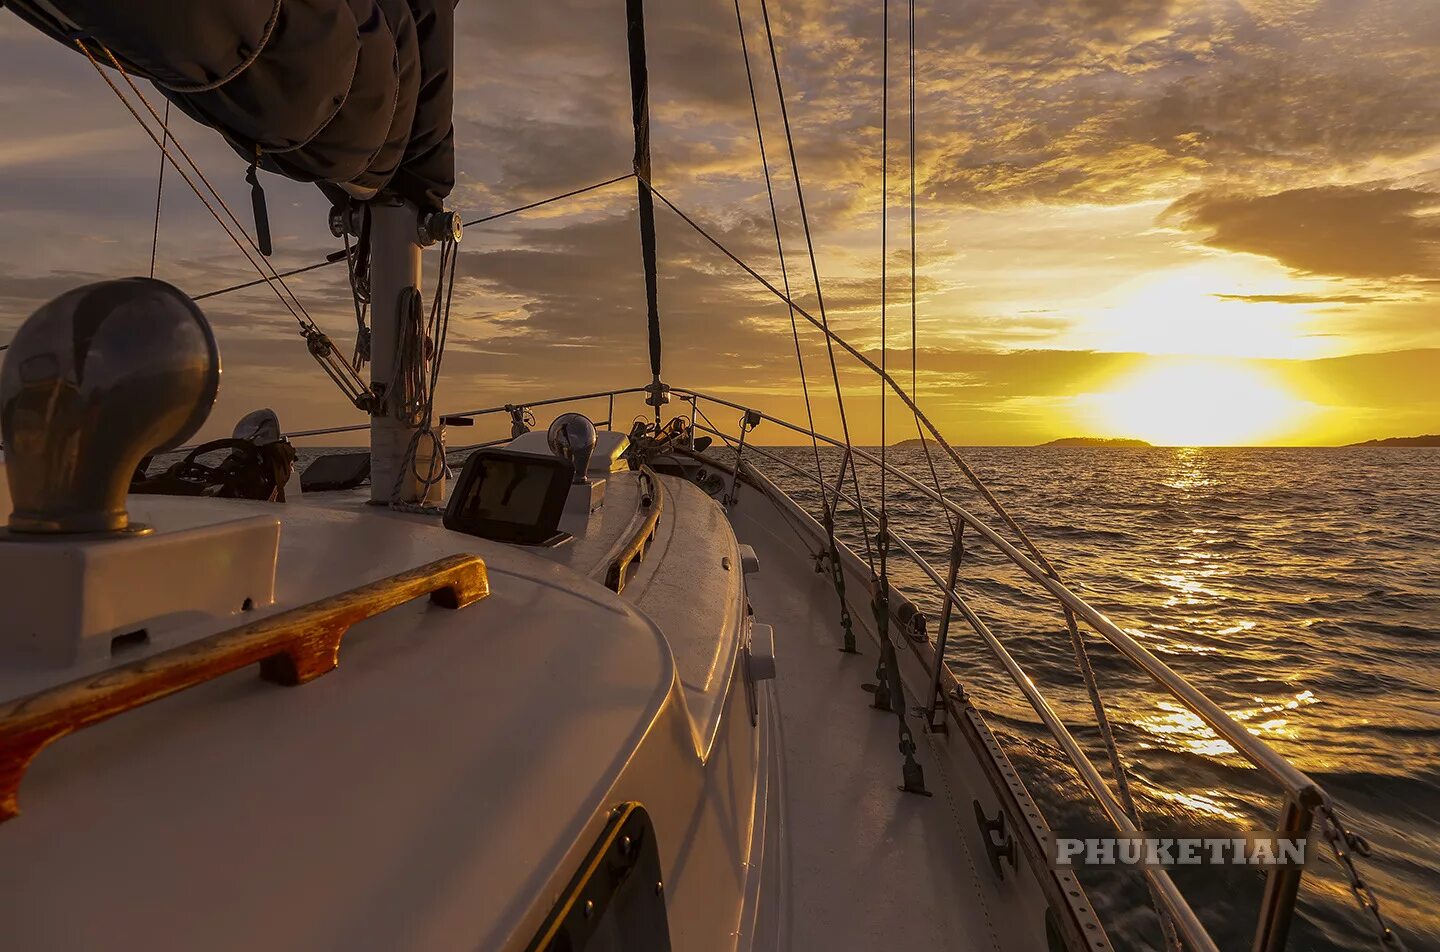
(510, 497)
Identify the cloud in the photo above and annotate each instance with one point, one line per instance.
(1305, 298)
(1347, 231)
(1247, 117)
(1082, 102)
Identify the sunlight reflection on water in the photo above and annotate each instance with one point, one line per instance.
(1297, 588)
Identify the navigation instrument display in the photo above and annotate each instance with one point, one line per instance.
(510, 497)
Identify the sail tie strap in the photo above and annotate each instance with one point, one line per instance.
(257, 206)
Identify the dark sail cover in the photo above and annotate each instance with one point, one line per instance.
(350, 93)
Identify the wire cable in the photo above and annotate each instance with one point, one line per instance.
(814, 265)
(914, 279)
(554, 198)
(780, 249)
(296, 309)
(884, 236)
(159, 188)
(339, 256)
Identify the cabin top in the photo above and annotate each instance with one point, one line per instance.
(350, 810)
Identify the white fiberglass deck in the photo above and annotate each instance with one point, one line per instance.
(862, 864)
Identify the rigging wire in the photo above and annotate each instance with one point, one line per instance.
(334, 258)
(814, 265)
(319, 345)
(914, 280)
(889, 691)
(780, 249)
(910, 89)
(288, 299)
(339, 256)
(884, 236)
(159, 188)
(837, 575)
(873, 367)
(1122, 780)
(554, 198)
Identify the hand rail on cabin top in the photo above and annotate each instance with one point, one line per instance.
(292, 647)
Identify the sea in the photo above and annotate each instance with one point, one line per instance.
(1298, 588)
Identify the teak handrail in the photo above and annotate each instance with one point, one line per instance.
(634, 550)
(291, 648)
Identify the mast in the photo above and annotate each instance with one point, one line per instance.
(658, 392)
(395, 272)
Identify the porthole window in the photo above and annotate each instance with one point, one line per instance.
(616, 901)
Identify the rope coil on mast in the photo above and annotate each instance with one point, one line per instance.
(421, 345)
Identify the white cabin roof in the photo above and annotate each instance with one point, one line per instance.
(421, 794)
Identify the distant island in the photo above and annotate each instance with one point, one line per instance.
(1094, 441)
(1066, 441)
(1430, 439)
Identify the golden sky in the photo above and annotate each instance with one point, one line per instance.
(1188, 221)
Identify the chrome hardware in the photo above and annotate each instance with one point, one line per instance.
(261, 427)
(342, 223)
(572, 437)
(93, 381)
(439, 226)
(657, 394)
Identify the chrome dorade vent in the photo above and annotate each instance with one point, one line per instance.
(572, 437)
(92, 382)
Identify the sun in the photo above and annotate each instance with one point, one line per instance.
(1195, 403)
(1217, 309)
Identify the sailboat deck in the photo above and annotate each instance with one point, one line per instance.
(862, 864)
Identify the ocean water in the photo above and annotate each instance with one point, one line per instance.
(1298, 588)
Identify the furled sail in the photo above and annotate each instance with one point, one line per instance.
(351, 94)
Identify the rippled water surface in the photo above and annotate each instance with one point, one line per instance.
(1298, 588)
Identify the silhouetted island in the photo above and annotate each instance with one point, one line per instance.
(1094, 441)
(1066, 441)
(1429, 439)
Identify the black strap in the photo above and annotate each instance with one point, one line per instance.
(257, 205)
(640, 111)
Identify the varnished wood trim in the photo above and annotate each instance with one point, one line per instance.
(634, 550)
(291, 648)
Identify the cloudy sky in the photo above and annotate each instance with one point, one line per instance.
(1209, 221)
